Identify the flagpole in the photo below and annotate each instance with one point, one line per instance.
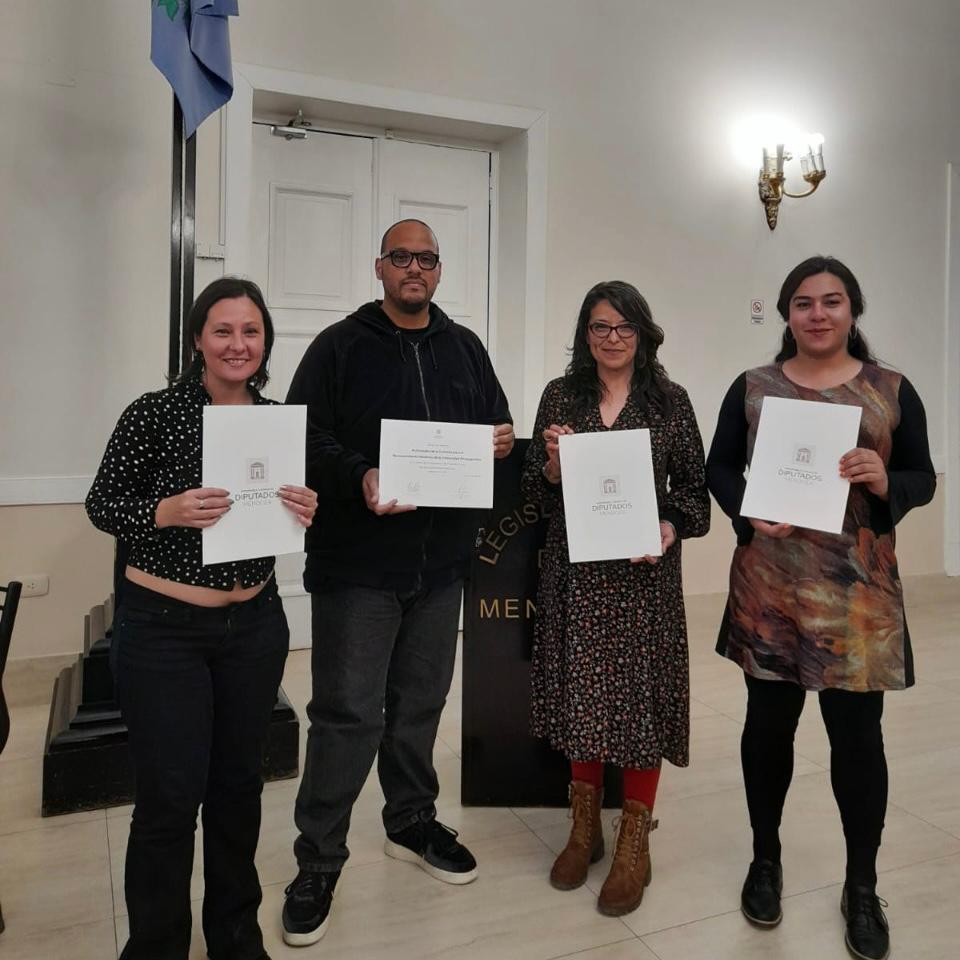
(189, 235)
(183, 241)
(176, 241)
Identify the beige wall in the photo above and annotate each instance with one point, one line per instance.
(642, 184)
(58, 541)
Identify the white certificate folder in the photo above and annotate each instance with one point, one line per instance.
(609, 495)
(795, 469)
(252, 451)
(429, 463)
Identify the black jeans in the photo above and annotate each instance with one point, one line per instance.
(196, 686)
(858, 766)
(382, 666)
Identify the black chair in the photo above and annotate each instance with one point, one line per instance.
(9, 601)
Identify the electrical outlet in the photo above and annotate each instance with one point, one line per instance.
(34, 585)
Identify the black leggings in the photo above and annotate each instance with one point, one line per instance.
(858, 767)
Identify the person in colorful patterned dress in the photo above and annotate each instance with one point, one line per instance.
(610, 678)
(819, 611)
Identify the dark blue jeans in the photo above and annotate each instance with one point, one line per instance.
(382, 666)
(196, 687)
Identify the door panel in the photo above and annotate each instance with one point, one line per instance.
(449, 189)
(312, 236)
(312, 240)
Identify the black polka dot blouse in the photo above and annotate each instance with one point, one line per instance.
(155, 452)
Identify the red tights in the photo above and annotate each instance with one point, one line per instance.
(637, 784)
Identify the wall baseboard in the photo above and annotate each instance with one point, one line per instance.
(24, 491)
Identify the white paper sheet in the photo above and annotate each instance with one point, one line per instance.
(795, 471)
(434, 464)
(609, 495)
(252, 451)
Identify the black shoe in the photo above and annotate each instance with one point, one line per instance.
(306, 909)
(434, 848)
(760, 897)
(868, 934)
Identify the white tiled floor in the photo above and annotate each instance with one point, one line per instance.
(61, 879)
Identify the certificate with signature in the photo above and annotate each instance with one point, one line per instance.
(251, 451)
(609, 495)
(433, 464)
(795, 469)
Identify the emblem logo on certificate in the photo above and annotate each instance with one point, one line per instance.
(795, 469)
(609, 495)
(429, 463)
(251, 451)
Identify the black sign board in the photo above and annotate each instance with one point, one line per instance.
(503, 765)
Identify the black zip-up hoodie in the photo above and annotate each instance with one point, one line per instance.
(356, 372)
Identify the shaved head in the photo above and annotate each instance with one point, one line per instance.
(385, 240)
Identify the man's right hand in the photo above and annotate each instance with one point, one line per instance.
(371, 494)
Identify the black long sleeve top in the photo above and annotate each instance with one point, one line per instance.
(354, 374)
(156, 452)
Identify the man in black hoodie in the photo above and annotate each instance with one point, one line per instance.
(385, 578)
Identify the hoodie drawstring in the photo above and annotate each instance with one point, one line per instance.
(433, 356)
(403, 356)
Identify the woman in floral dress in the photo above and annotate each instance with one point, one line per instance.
(610, 679)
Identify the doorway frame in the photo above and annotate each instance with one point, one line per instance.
(529, 130)
(951, 469)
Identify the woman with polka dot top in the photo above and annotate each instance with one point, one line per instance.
(198, 651)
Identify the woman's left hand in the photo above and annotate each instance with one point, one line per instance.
(865, 466)
(668, 537)
(300, 501)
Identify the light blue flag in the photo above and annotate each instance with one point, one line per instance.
(190, 46)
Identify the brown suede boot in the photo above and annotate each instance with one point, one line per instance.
(630, 870)
(585, 845)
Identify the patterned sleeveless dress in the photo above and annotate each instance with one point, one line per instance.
(825, 610)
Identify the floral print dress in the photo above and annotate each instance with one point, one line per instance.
(610, 670)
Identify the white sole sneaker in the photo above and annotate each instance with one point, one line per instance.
(306, 939)
(400, 852)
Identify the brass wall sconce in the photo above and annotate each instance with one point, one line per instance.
(771, 183)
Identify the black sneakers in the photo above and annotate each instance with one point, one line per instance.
(306, 909)
(434, 848)
(868, 935)
(760, 897)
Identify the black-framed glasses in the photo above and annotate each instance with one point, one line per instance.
(427, 259)
(601, 330)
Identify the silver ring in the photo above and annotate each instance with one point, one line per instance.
(200, 501)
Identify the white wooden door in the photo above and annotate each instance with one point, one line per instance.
(449, 189)
(319, 208)
(312, 235)
(312, 220)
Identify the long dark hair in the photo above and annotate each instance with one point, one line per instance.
(649, 385)
(858, 346)
(226, 288)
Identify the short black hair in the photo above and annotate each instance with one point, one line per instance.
(386, 233)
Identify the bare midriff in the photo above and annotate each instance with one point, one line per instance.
(190, 593)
